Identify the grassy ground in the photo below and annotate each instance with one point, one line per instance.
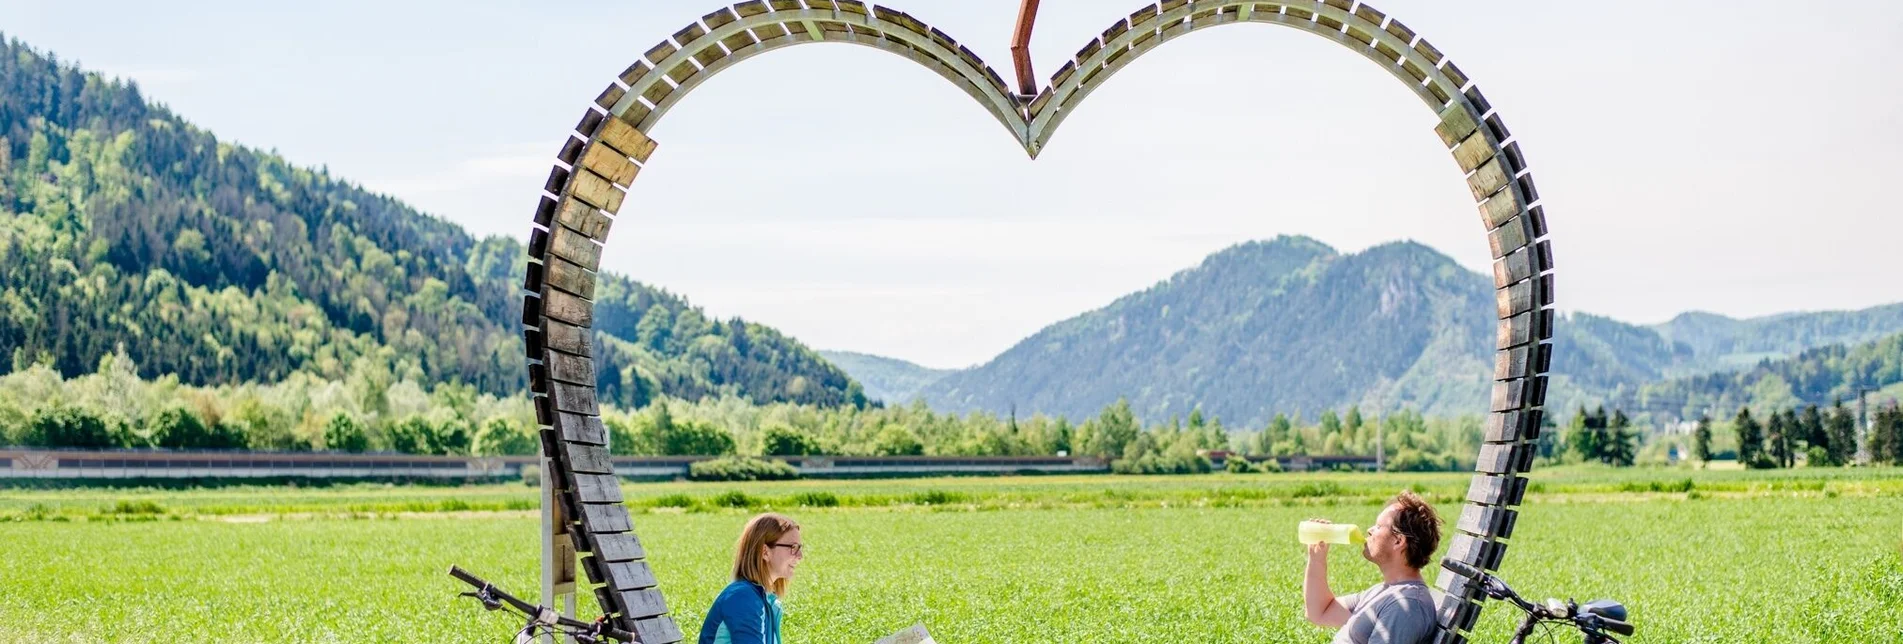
(1796, 556)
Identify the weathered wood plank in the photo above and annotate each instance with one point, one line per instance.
(567, 308)
(587, 459)
(610, 164)
(618, 547)
(578, 399)
(579, 427)
(597, 488)
(1456, 122)
(580, 217)
(597, 190)
(571, 278)
(575, 247)
(572, 369)
(606, 517)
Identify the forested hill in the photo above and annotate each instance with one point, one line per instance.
(123, 224)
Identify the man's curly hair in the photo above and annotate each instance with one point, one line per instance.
(1417, 522)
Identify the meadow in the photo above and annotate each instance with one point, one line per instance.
(1699, 556)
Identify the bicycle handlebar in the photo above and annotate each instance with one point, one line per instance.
(542, 614)
(1498, 589)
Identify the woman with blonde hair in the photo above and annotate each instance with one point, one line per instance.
(748, 610)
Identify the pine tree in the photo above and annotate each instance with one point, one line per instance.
(1701, 440)
(1750, 437)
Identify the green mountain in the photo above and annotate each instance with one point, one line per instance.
(1819, 376)
(1263, 327)
(890, 380)
(1290, 325)
(122, 224)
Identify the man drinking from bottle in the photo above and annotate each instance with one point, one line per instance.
(1399, 610)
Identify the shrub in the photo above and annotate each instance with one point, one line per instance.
(344, 434)
(1236, 464)
(1270, 466)
(816, 499)
(532, 475)
(63, 426)
(741, 468)
(179, 428)
(500, 437)
(780, 440)
(935, 497)
(696, 438)
(1818, 456)
(896, 440)
(1157, 464)
(136, 507)
(675, 501)
(734, 499)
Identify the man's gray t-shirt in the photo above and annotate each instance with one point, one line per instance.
(1399, 613)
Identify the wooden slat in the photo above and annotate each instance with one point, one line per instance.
(570, 369)
(1507, 395)
(610, 164)
(1511, 236)
(1456, 122)
(1506, 426)
(629, 575)
(618, 547)
(689, 34)
(587, 459)
(567, 308)
(656, 630)
(571, 278)
(1515, 267)
(707, 56)
(574, 247)
(606, 517)
(597, 488)
(580, 217)
(567, 338)
(1400, 31)
(1524, 328)
(578, 399)
(660, 52)
(643, 603)
(610, 95)
(1503, 205)
(594, 189)
(580, 428)
(1512, 363)
(1489, 178)
(622, 136)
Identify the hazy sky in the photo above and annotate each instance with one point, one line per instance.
(1737, 157)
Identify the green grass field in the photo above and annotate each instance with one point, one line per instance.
(1729, 556)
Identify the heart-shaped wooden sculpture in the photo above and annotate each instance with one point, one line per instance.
(588, 184)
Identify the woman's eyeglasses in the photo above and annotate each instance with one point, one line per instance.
(799, 549)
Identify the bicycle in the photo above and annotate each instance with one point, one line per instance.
(542, 619)
(1593, 619)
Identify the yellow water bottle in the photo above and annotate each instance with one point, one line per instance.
(1310, 532)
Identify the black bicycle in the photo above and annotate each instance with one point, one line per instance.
(1594, 619)
(542, 619)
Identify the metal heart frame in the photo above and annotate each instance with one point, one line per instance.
(609, 148)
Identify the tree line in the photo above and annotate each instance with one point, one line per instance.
(1822, 437)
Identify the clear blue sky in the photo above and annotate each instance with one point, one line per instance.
(1737, 157)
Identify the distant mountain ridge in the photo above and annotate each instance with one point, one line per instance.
(1290, 325)
(897, 381)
